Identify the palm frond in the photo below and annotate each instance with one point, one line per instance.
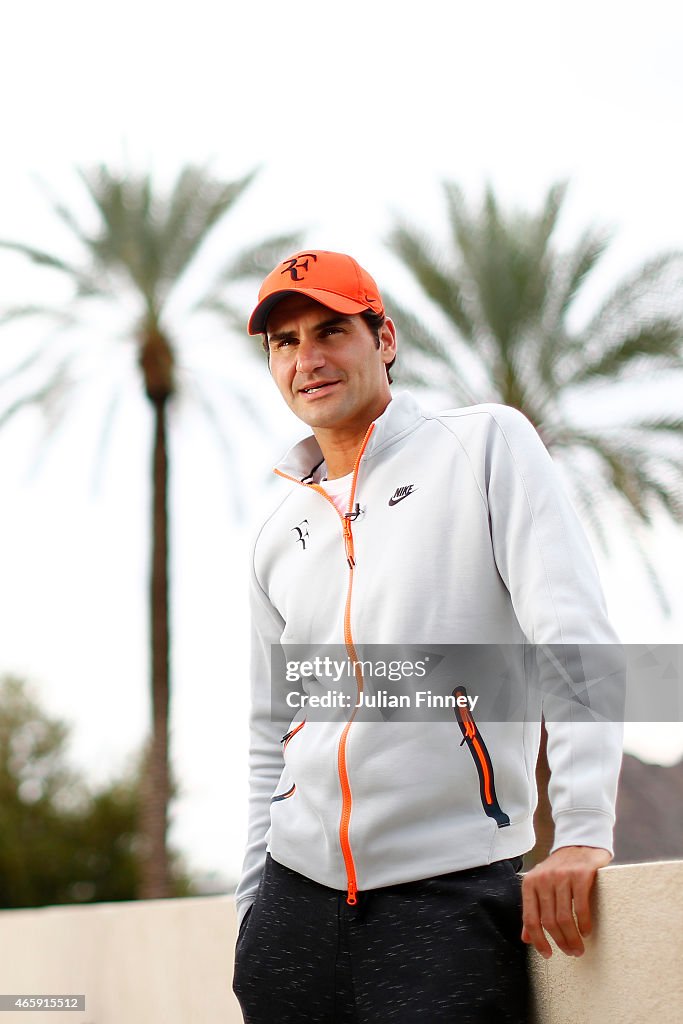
(253, 262)
(518, 289)
(54, 401)
(415, 337)
(659, 343)
(650, 571)
(44, 397)
(659, 424)
(462, 221)
(408, 377)
(45, 259)
(25, 401)
(197, 203)
(662, 273)
(63, 212)
(574, 268)
(416, 333)
(506, 259)
(233, 317)
(560, 352)
(151, 239)
(40, 257)
(27, 363)
(599, 506)
(555, 358)
(105, 435)
(440, 284)
(216, 422)
(65, 317)
(588, 498)
(127, 241)
(668, 498)
(545, 223)
(628, 472)
(259, 259)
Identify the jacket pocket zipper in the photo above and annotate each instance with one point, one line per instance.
(285, 740)
(283, 796)
(292, 732)
(482, 761)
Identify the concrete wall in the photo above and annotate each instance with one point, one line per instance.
(170, 961)
(632, 970)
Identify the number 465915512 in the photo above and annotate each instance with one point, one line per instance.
(42, 1002)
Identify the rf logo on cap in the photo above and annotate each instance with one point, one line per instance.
(298, 263)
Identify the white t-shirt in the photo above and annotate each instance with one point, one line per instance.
(339, 490)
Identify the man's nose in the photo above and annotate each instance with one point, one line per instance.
(309, 356)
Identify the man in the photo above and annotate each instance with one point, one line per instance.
(380, 882)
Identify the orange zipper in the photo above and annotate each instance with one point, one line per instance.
(471, 734)
(285, 740)
(342, 768)
(482, 760)
(292, 732)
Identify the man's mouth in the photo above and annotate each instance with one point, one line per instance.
(315, 389)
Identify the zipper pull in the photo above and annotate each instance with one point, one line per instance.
(351, 894)
(348, 542)
(286, 736)
(470, 727)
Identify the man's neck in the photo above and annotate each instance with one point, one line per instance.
(340, 448)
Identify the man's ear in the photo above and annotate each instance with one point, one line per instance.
(387, 340)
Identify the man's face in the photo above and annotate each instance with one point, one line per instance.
(327, 365)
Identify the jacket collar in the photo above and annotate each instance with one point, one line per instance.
(304, 460)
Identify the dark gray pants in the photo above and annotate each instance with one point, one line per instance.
(444, 950)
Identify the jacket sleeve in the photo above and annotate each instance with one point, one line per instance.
(545, 561)
(269, 718)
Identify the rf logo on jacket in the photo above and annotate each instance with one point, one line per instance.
(302, 533)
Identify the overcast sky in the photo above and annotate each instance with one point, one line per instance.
(354, 113)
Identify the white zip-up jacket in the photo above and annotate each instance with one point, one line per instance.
(465, 537)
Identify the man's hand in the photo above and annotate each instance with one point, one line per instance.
(564, 878)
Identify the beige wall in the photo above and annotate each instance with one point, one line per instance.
(170, 961)
(632, 971)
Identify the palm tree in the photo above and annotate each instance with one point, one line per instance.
(141, 248)
(506, 296)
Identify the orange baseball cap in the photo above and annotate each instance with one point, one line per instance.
(331, 278)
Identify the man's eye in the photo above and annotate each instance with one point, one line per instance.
(283, 342)
(330, 330)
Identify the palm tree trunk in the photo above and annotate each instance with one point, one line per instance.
(155, 874)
